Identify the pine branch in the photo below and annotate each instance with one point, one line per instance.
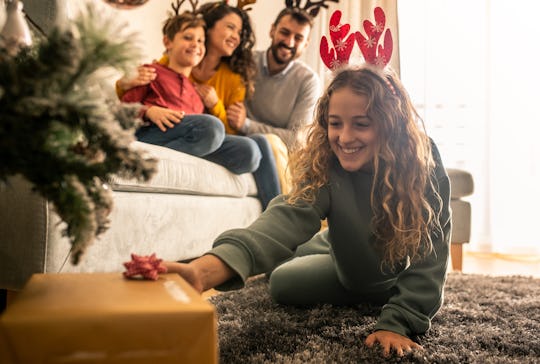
(75, 138)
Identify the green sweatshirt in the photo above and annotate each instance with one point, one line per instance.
(417, 286)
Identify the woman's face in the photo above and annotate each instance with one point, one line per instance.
(224, 37)
(351, 133)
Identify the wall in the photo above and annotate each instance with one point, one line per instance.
(147, 21)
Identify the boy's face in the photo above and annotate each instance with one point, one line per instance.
(289, 39)
(187, 49)
(351, 134)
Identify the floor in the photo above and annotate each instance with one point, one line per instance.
(473, 263)
(498, 264)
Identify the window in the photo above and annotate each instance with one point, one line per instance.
(469, 67)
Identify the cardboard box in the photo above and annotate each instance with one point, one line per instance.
(105, 318)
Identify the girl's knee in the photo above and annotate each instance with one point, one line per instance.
(281, 289)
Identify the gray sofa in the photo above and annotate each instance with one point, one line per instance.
(176, 215)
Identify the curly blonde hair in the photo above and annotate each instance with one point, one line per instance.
(403, 217)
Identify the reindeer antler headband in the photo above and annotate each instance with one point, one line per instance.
(310, 7)
(176, 7)
(373, 52)
(242, 4)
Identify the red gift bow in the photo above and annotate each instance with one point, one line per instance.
(147, 267)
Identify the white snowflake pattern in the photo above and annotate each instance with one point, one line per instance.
(380, 61)
(335, 64)
(335, 28)
(370, 42)
(341, 45)
(378, 27)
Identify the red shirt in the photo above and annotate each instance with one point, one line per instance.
(170, 89)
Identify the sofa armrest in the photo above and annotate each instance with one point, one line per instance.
(24, 218)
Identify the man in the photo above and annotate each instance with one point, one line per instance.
(286, 89)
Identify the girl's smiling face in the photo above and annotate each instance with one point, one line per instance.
(351, 134)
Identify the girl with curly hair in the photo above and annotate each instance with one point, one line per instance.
(369, 169)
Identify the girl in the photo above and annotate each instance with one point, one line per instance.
(371, 171)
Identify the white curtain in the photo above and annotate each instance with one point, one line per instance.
(470, 67)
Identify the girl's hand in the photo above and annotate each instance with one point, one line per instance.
(144, 76)
(391, 341)
(236, 115)
(208, 95)
(164, 118)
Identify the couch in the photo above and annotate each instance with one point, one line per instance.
(461, 186)
(176, 215)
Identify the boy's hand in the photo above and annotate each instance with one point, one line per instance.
(391, 341)
(164, 118)
(236, 115)
(144, 76)
(208, 95)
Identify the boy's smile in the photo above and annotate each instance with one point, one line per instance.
(186, 50)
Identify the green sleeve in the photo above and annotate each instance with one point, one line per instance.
(419, 292)
(270, 240)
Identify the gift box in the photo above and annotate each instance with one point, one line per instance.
(105, 318)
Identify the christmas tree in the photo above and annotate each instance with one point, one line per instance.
(61, 131)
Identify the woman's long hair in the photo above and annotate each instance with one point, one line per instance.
(241, 61)
(403, 217)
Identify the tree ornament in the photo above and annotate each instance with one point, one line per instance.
(125, 4)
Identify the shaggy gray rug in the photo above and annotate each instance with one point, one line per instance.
(484, 320)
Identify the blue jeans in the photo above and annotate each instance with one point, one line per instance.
(266, 176)
(197, 134)
(251, 154)
(204, 136)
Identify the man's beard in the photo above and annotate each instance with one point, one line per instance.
(275, 53)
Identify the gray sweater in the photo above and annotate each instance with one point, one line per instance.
(284, 102)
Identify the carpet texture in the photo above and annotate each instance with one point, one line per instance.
(484, 320)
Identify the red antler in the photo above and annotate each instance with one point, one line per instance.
(340, 54)
(374, 52)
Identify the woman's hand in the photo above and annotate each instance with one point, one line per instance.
(391, 341)
(208, 95)
(236, 115)
(144, 76)
(164, 118)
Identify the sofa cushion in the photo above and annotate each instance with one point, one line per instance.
(461, 183)
(183, 173)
